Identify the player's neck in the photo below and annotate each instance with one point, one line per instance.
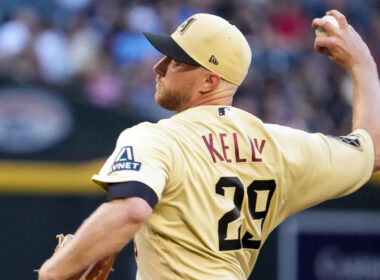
(222, 98)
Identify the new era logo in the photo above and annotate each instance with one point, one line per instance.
(213, 60)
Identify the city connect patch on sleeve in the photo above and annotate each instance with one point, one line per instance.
(350, 140)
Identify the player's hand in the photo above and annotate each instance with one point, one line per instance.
(53, 268)
(344, 46)
(46, 272)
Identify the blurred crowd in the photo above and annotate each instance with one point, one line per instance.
(95, 48)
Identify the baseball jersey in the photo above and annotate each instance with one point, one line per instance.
(223, 180)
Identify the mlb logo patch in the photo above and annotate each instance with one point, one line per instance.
(224, 111)
(125, 161)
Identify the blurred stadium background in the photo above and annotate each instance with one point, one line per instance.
(75, 73)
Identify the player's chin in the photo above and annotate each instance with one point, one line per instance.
(157, 97)
(165, 102)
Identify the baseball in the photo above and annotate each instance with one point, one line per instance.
(321, 31)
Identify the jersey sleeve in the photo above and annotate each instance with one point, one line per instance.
(316, 167)
(142, 154)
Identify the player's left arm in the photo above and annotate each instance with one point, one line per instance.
(104, 233)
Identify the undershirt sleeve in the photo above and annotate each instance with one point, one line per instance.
(132, 189)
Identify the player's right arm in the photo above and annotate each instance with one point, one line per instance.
(345, 47)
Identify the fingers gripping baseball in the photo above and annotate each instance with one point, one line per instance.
(343, 24)
(343, 45)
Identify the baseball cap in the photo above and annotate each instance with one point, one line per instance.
(209, 41)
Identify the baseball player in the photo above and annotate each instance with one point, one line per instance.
(200, 192)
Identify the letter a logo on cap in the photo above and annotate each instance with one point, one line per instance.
(184, 26)
(213, 60)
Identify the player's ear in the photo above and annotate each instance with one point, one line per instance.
(210, 82)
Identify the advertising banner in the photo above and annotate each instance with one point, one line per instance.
(330, 245)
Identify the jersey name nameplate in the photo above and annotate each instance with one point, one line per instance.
(218, 148)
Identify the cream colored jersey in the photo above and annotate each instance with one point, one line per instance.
(224, 181)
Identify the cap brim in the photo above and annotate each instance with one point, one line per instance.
(167, 46)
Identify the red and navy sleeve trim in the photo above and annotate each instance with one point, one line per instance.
(132, 189)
